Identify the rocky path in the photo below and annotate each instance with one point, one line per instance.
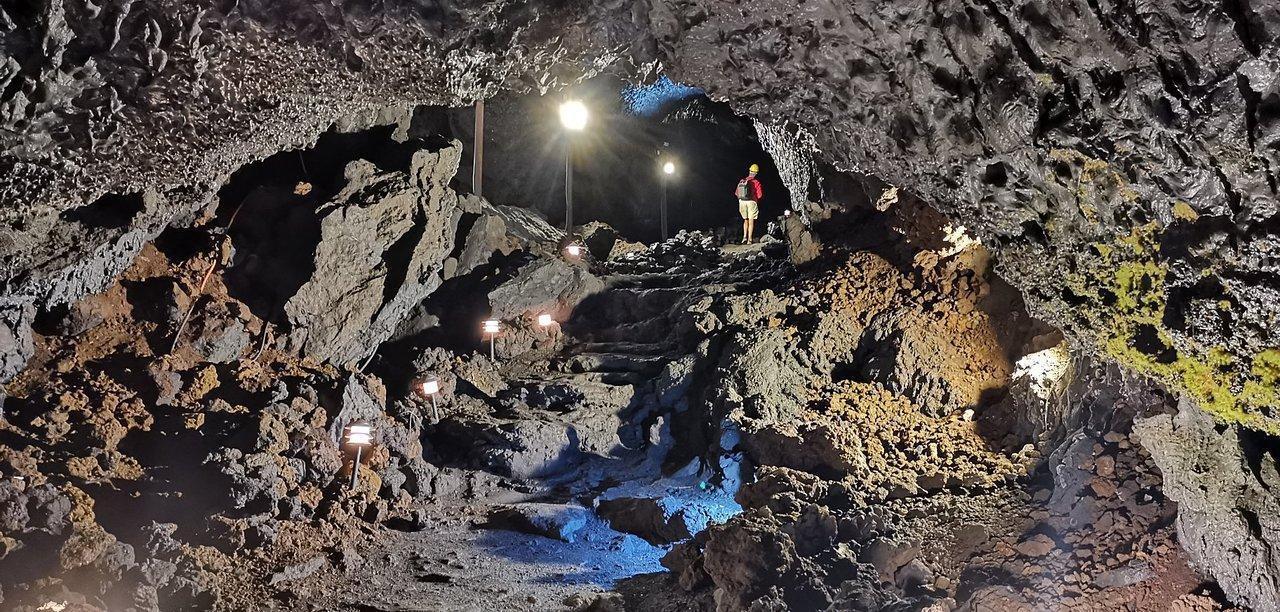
(575, 531)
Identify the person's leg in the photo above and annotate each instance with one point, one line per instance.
(745, 223)
(751, 229)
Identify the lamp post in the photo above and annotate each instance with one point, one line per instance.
(430, 387)
(359, 435)
(573, 115)
(668, 169)
(491, 328)
(477, 151)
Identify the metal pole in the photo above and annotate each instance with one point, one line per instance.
(664, 206)
(435, 410)
(355, 469)
(477, 161)
(568, 185)
(491, 337)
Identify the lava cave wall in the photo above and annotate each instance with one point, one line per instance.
(1121, 160)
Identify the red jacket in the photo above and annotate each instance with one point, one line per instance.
(756, 191)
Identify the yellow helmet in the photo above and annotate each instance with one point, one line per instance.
(754, 168)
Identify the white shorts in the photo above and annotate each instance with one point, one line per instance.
(749, 209)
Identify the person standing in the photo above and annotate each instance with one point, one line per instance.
(749, 193)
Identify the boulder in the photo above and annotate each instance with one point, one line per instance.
(488, 235)
(222, 340)
(1227, 485)
(383, 242)
(544, 285)
(645, 517)
(16, 345)
(557, 521)
(358, 404)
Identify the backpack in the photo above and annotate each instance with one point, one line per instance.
(744, 189)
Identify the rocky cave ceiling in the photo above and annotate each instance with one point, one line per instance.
(1120, 158)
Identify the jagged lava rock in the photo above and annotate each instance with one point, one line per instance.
(383, 241)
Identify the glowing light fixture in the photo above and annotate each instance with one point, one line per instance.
(668, 169)
(430, 387)
(573, 250)
(786, 213)
(573, 114)
(492, 327)
(546, 322)
(359, 435)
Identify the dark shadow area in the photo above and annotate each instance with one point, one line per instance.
(274, 225)
(450, 317)
(108, 212)
(1147, 340)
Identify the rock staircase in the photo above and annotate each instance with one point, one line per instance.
(574, 420)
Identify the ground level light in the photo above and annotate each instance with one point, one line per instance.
(492, 327)
(359, 435)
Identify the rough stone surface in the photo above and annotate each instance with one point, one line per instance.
(15, 337)
(1227, 485)
(562, 522)
(1075, 137)
(544, 286)
(382, 243)
(645, 517)
(1118, 158)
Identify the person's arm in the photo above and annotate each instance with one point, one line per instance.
(759, 191)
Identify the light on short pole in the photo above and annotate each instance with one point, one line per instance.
(359, 435)
(668, 168)
(492, 327)
(545, 322)
(573, 250)
(430, 387)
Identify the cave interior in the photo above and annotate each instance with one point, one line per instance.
(291, 316)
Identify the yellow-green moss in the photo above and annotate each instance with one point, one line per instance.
(1123, 289)
(1184, 212)
(1214, 377)
(1137, 287)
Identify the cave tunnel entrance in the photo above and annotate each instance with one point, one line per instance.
(618, 157)
(617, 160)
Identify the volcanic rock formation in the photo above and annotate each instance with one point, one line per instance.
(1015, 205)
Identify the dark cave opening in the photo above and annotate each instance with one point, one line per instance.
(618, 158)
(109, 211)
(1148, 341)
